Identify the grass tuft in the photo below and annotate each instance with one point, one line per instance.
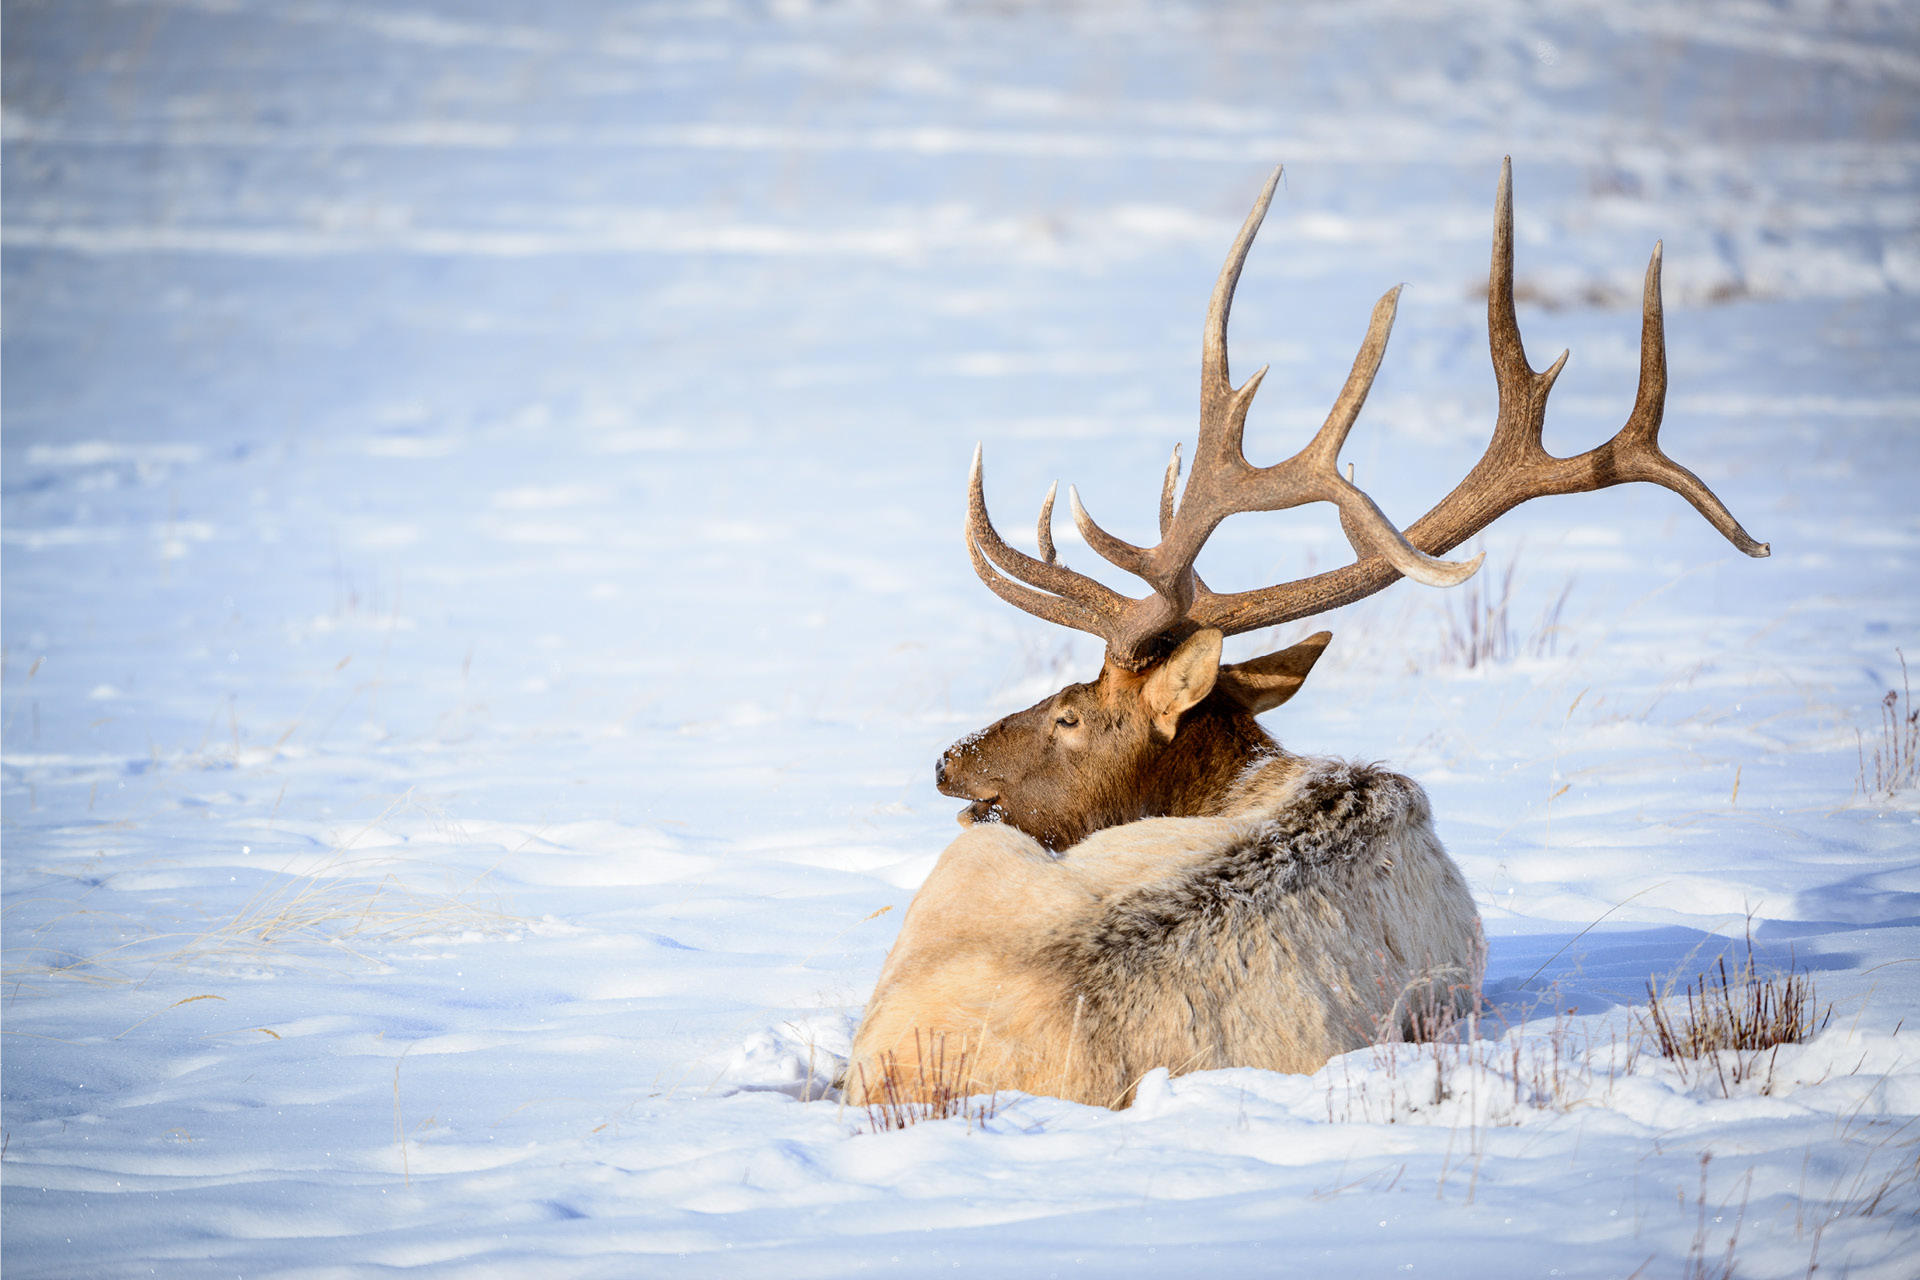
(1477, 629)
(1896, 757)
(1734, 1021)
(1501, 1071)
(936, 1087)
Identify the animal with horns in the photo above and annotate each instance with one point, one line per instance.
(1147, 878)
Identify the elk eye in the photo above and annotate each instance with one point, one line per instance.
(1066, 720)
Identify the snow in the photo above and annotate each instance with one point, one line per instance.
(483, 596)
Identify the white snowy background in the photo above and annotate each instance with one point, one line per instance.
(483, 596)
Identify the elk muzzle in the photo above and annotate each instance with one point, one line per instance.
(953, 776)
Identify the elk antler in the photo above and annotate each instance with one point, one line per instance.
(1514, 468)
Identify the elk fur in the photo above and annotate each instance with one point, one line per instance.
(1315, 913)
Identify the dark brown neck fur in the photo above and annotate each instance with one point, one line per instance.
(1216, 741)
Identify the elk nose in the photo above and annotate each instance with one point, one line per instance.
(940, 771)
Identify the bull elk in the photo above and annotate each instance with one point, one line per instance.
(1147, 878)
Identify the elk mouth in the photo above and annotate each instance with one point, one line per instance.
(983, 808)
(987, 810)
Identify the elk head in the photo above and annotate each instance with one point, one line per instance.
(1166, 729)
(1127, 745)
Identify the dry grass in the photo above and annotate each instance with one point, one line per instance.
(1459, 1054)
(1477, 629)
(1455, 1070)
(935, 1087)
(1896, 756)
(296, 920)
(1735, 1022)
(341, 912)
(1702, 1264)
(1729, 1021)
(350, 904)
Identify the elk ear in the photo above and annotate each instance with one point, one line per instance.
(1179, 683)
(1262, 684)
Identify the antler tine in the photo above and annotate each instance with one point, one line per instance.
(1636, 449)
(1045, 607)
(1215, 383)
(1223, 414)
(1166, 491)
(1069, 598)
(1168, 567)
(1366, 526)
(1137, 561)
(1045, 539)
(1523, 393)
(1503, 322)
(1324, 448)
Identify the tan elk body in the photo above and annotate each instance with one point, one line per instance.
(1147, 878)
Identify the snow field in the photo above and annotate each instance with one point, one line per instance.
(483, 595)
